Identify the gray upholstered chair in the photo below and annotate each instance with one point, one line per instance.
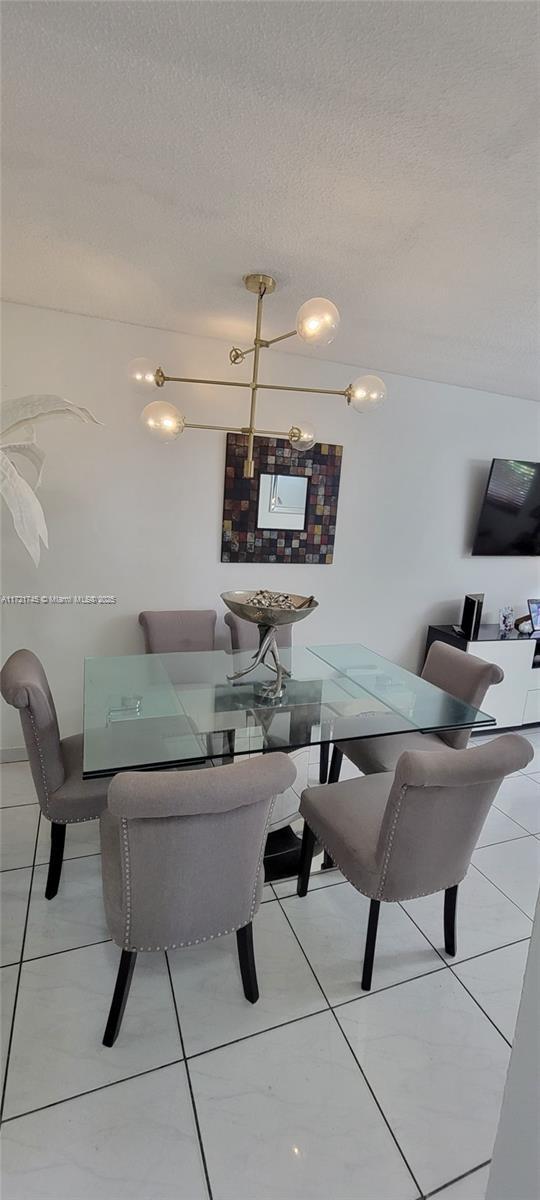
(182, 860)
(182, 630)
(56, 763)
(245, 635)
(462, 675)
(396, 837)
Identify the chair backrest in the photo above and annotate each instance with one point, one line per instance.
(24, 684)
(191, 844)
(438, 803)
(245, 635)
(462, 675)
(181, 630)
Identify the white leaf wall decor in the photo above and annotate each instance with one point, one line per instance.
(16, 420)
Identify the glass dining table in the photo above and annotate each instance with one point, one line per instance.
(159, 711)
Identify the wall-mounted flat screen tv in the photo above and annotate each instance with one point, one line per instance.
(509, 521)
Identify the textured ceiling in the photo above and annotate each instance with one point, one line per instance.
(383, 154)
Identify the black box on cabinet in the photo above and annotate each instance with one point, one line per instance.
(471, 615)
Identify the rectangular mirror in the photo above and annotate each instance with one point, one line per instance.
(282, 502)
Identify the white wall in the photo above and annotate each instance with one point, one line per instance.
(142, 521)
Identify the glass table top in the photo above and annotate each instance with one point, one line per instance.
(161, 710)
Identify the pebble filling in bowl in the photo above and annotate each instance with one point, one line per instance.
(266, 599)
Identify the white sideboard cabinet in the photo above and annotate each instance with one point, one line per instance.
(515, 701)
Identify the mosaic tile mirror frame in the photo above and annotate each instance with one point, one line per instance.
(242, 538)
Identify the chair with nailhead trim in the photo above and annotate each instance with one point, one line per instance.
(397, 837)
(182, 856)
(462, 675)
(56, 763)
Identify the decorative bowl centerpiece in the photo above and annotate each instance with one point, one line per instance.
(268, 610)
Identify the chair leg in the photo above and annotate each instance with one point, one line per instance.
(246, 958)
(121, 992)
(328, 863)
(306, 856)
(323, 761)
(335, 765)
(371, 939)
(450, 902)
(333, 777)
(58, 838)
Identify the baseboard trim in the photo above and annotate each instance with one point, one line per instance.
(15, 754)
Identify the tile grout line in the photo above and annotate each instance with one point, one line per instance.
(45, 863)
(518, 837)
(495, 885)
(458, 1178)
(317, 1013)
(102, 1087)
(23, 804)
(377, 991)
(379, 1105)
(347, 1043)
(482, 953)
(66, 950)
(257, 1033)
(439, 952)
(482, 1010)
(432, 944)
(189, 1083)
(323, 888)
(451, 965)
(18, 984)
(509, 818)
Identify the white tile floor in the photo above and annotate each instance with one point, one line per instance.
(319, 1090)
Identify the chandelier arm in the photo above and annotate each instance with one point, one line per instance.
(266, 343)
(219, 428)
(267, 387)
(238, 429)
(281, 338)
(280, 387)
(268, 433)
(216, 382)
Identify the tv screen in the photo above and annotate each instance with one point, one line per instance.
(509, 521)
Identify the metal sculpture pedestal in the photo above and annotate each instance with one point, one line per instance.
(267, 647)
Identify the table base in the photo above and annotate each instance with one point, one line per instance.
(281, 854)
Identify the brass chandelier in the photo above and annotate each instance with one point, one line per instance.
(317, 321)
